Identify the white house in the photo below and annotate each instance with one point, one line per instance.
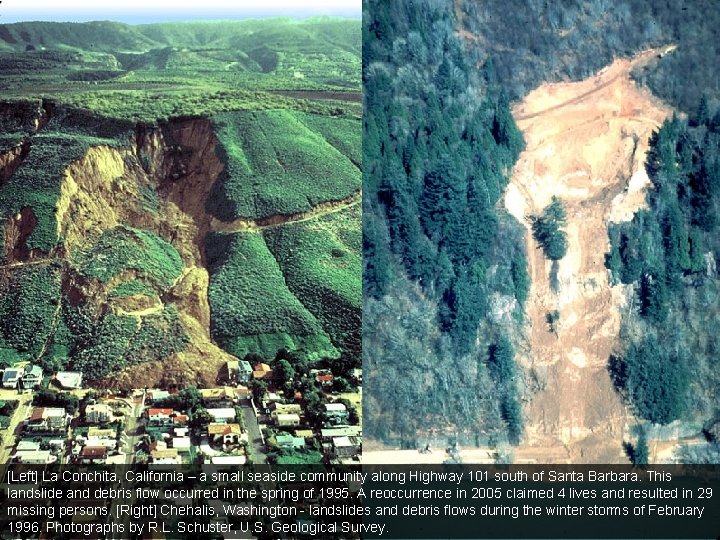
(222, 415)
(336, 412)
(99, 413)
(11, 377)
(287, 420)
(32, 377)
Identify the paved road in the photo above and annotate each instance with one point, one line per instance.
(22, 411)
(253, 430)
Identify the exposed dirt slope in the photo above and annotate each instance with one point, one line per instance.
(110, 186)
(586, 144)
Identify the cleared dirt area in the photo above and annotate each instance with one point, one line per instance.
(586, 144)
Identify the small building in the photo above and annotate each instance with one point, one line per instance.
(222, 415)
(328, 434)
(325, 380)
(245, 371)
(95, 432)
(336, 413)
(93, 454)
(98, 413)
(182, 444)
(285, 408)
(181, 431)
(289, 442)
(12, 376)
(243, 393)
(217, 397)
(160, 417)
(239, 371)
(32, 377)
(356, 376)
(344, 447)
(48, 419)
(180, 420)
(307, 434)
(225, 433)
(102, 437)
(169, 456)
(262, 371)
(27, 446)
(287, 420)
(228, 460)
(69, 380)
(157, 445)
(35, 457)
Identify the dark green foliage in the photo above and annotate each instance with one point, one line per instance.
(51, 398)
(251, 307)
(512, 414)
(655, 380)
(640, 452)
(552, 318)
(114, 342)
(547, 230)
(438, 143)
(29, 308)
(125, 249)
(670, 251)
(501, 364)
(435, 169)
(277, 165)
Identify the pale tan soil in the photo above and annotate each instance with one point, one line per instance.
(586, 144)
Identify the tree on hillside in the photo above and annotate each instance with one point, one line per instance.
(547, 230)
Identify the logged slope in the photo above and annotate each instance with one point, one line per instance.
(586, 144)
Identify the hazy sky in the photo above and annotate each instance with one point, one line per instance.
(143, 11)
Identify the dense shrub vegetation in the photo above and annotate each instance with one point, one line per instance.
(179, 69)
(124, 249)
(439, 141)
(29, 309)
(321, 263)
(252, 308)
(276, 165)
(669, 252)
(101, 345)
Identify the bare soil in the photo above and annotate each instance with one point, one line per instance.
(586, 144)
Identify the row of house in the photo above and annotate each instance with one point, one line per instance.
(24, 375)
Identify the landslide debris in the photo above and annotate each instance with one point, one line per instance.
(586, 145)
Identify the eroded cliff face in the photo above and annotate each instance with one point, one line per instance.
(159, 182)
(11, 159)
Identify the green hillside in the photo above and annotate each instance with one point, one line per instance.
(126, 150)
(252, 308)
(278, 165)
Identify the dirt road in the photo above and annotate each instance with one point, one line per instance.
(586, 144)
